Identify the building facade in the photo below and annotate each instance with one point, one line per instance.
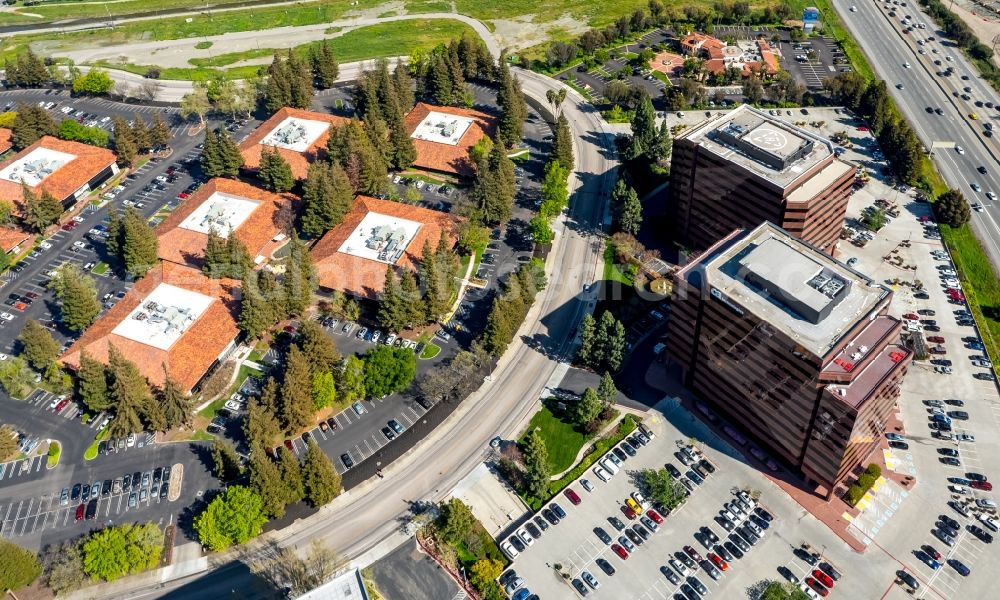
(791, 346)
(746, 166)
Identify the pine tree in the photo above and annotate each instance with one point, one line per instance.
(291, 476)
(300, 278)
(392, 307)
(159, 131)
(113, 243)
(663, 144)
(562, 145)
(413, 307)
(211, 158)
(240, 261)
(38, 346)
(586, 409)
(318, 347)
(77, 295)
(435, 290)
(536, 463)
(260, 426)
(229, 154)
(126, 145)
(643, 128)
(274, 171)
(403, 86)
(324, 64)
(225, 460)
(606, 391)
(39, 211)
(322, 482)
(278, 91)
(152, 414)
(176, 404)
(296, 392)
(256, 313)
(141, 134)
(403, 151)
(139, 244)
(512, 106)
(92, 383)
(327, 195)
(215, 259)
(615, 347)
(269, 396)
(265, 478)
(630, 215)
(128, 391)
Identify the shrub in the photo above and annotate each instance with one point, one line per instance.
(874, 470)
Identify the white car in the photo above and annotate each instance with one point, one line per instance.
(808, 591)
(509, 550)
(602, 474)
(991, 195)
(233, 405)
(952, 282)
(45, 245)
(960, 149)
(105, 119)
(854, 8)
(130, 440)
(525, 536)
(6, 316)
(678, 566)
(906, 65)
(975, 187)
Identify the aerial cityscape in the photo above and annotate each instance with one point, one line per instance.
(425, 300)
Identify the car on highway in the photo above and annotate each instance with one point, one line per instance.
(959, 149)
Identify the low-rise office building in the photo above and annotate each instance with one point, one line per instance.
(66, 170)
(790, 345)
(443, 136)
(745, 166)
(299, 136)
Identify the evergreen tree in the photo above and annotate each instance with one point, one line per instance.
(225, 460)
(322, 482)
(291, 476)
(301, 81)
(256, 313)
(151, 413)
(229, 154)
(274, 171)
(586, 409)
(113, 241)
(159, 131)
(296, 392)
(269, 396)
(278, 90)
(77, 295)
(176, 404)
(643, 128)
(403, 151)
(562, 145)
(300, 277)
(588, 327)
(30, 124)
(27, 70)
(265, 478)
(952, 208)
(260, 426)
(606, 391)
(126, 145)
(325, 69)
(215, 259)
(211, 158)
(495, 187)
(38, 346)
(128, 392)
(392, 307)
(414, 313)
(318, 347)
(403, 86)
(512, 106)
(240, 261)
(663, 144)
(435, 290)
(327, 195)
(138, 243)
(39, 211)
(630, 212)
(351, 148)
(536, 463)
(141, 134)
(92, 383)
(615, 349)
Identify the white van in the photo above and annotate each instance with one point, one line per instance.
(609, 466)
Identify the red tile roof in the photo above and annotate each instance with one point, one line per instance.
(445, 158)
(89, 162)
(12, 237)
(767, 56)
(272, 216)
(298, 161)
(193, 353)
(5, 143)
(366, 277)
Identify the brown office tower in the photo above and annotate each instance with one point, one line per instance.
(790, 346)
(746, 166)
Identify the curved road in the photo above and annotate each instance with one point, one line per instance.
(362, 518)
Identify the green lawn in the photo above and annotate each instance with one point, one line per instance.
(100, 268)
(562, 440)
(612, 272)
(430, 351)
(53, 457)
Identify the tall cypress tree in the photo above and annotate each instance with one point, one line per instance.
(211, 159)
(275, 171)
(229, 154)
(176, 404)
(562, 145)
(402, 84)
(278, 91)
(512, 106)
(322, 482)
(256, 313)
(291, 476)
(265, 477)
(139, 244)
(296, 392)
(392, 306)
(128, 391)
(92, 383)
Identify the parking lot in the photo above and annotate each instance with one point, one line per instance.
(575, 545)
(821, 58)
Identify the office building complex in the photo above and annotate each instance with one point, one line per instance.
(744, 167)
(791, 346)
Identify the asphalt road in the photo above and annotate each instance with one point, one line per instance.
(372, 511)
(889, 49)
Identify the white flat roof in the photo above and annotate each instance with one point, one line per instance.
(34, 167)
(224, 212)
(380, 237)
(442, 128)
(295, 134)
(163, 316)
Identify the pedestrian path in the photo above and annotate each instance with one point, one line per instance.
(877, 507)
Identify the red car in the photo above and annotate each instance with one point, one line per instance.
(693, 554)
(621, 552)
(935, 339)
(823, 578)
(911, 317)
(573, 497)
(931, 551)
(652, 514)
(62, 404)
(822, 591)
(183, 195)
(81, 511)
(628, 512)
(986, 486)
(723, 565)
(289, 445)
(69, 226)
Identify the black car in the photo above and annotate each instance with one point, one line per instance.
(541, 523)
(694, 477)
(706, 466)
(616, 523)
(126, 481)
(954, 402)
(92, 510)
(670, 575)
(672, 470)
(975, 476)
(642, 531)
(102, 448)
(980, 533)
(958, 415)
(157, 475)
(721, 551)
(558, 510)
(580, 587)
(602, 535)
(634, 537)
(550, 516)
(948, 460)
(627, 447)
(620, 454)
(534, 531)
(106, 488)
(424, 402)
(347, 460)
(75, 494)
(810, 559)
(388, 433)
(605, 566)
(899, 445)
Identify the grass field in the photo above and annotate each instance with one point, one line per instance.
(979, 283)
(375, 41)
(562, 439)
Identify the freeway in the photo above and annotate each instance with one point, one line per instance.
(372, 512)
(890, 50)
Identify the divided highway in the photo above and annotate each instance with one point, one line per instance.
(889, 51)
